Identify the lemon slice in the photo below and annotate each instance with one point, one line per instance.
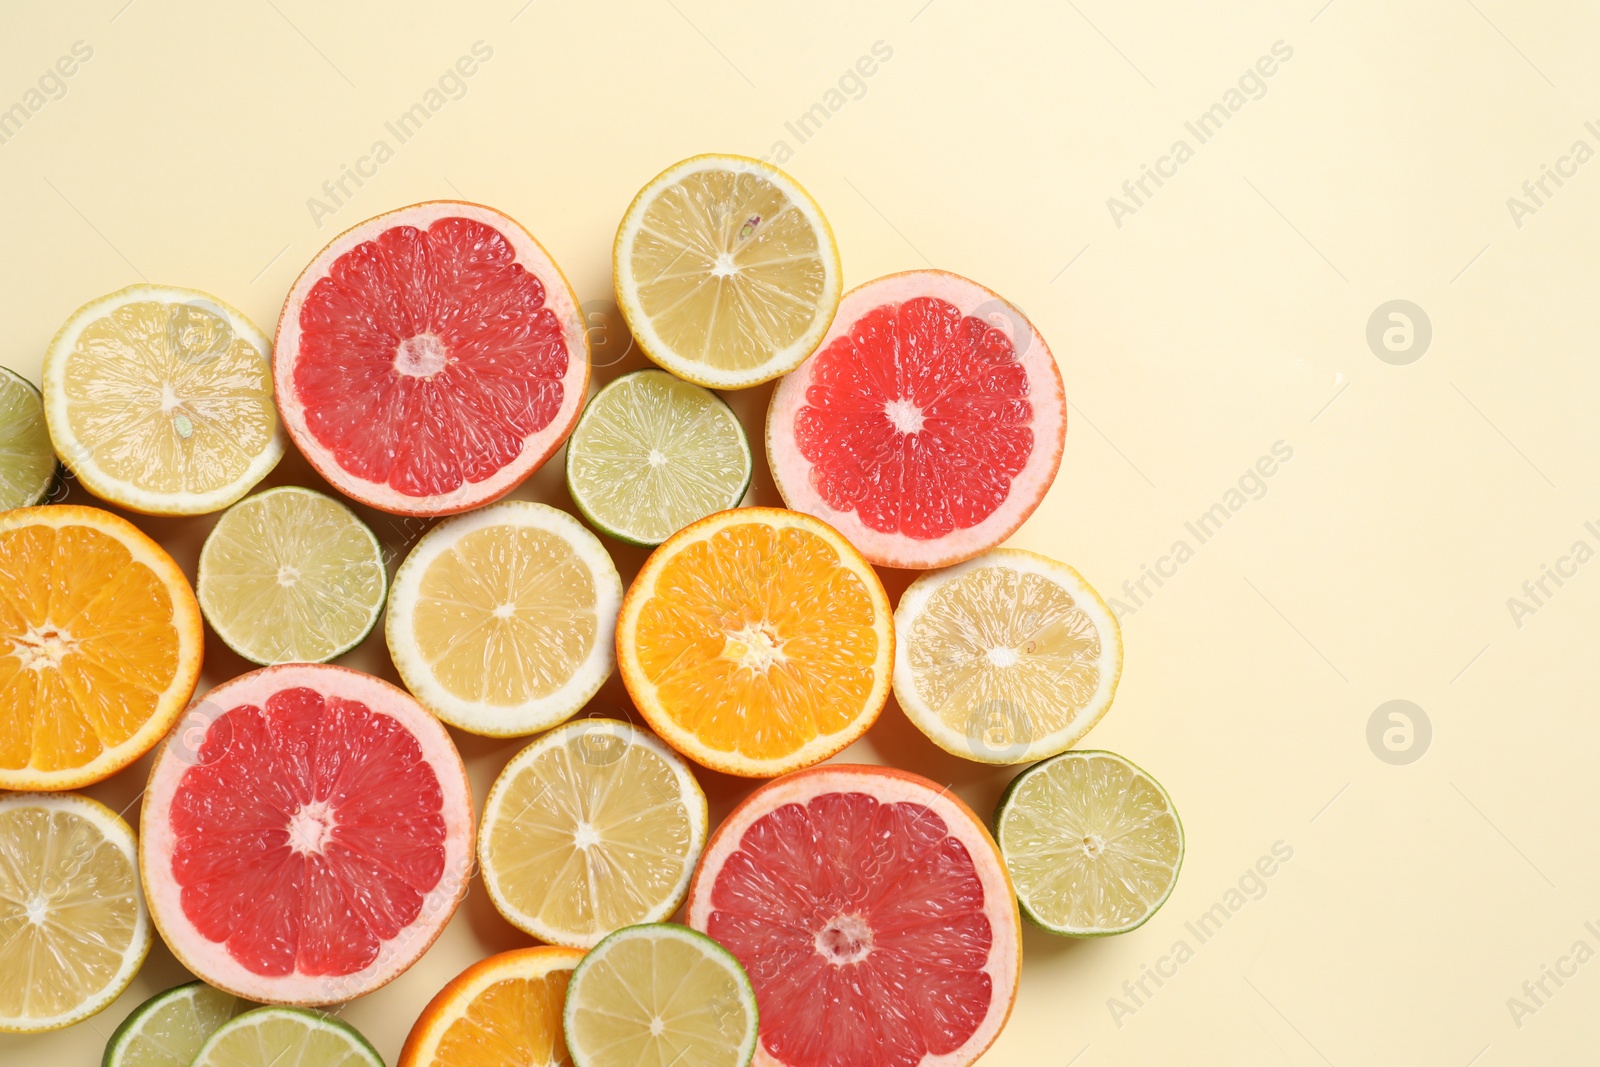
(73, 925)
(660, 994)
(501, 621)
(595, 826)
(290, 575)
(726, 271)
(1092, 843)
(286, 1037)
(1006, 658)
(652, 454)
(168, 1029)
(27, 462)
(160, 399)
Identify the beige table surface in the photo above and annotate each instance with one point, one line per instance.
(1200, 324)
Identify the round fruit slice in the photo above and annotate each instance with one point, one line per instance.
(430, 359)
(287, 1037)
(102, 642)
(307, 832)
(73, 927)
(593, 827)
(1093, 843)
(660, 994)
(27, 460)
(168, 1029)
(502, 621)
(1006, 658)
(160, 400)
(652, 454)
(870, 898)
(504, 1011)
(726, 271)
(927, 427)
(757, 641)
(291, 575)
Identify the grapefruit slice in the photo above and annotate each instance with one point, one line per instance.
(927, 426)
(307, 832)
(430, 359)
(873, 913)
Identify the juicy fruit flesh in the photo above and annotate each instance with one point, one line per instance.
(308, 834)
(427, 358)
(506, 614)
(729, 270)
(273, 1038)
(1004, 656)
(596, 835)
(758, 639)
(659, 1001)
(166, 396)
(917, 419)
(68, 909)
(867, 914)
(291, 577)
(87, 646)
(27, 461)
(514, 1021)
(654, 454)
(171, 1035)
(1091, 843)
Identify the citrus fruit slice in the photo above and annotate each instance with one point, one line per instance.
(73, 926)
(102, 641)
(652, 454)
(593, 827)
(160, 400)
(1093, 843)
(291, 575)
(27, 460)
(757, 641)
(502, 621)
(660, 994)
(869, 898)
(307, 832)
(287, 1037)
(168, 1029)
(726, 271)
(927, 427)
(430, 359)
(504, 1011)
(1006, 658)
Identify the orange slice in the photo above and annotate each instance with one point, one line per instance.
(100, 645)
(504, 1011)
(757, 641)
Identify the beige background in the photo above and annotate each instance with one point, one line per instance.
(1226, 313)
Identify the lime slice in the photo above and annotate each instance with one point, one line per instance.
(286, 1037)
(168, 1029)
(502, 620)
(291, 575)
(1093, 843)
(27, 461)
(595, 826)
(660, 994)
(652, 454)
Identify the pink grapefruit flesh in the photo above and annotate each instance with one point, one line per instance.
(873, 914)
(927, 426)
(306, 834)
(430, 359)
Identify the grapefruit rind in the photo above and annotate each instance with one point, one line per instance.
(453, 1001)
(887, 785)
(77, 456)
(210, 960)
(185, 620)
(539, 446)
(957, 743)
(644, 692)
(792, 472)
